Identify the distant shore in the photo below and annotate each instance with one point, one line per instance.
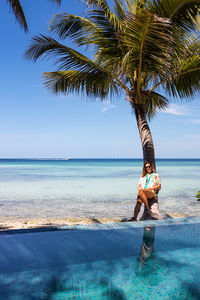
(33, 223)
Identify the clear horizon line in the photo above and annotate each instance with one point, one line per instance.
(71, 158)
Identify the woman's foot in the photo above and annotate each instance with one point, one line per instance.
(132, 219)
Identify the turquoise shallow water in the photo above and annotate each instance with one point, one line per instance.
(124, 261)
(92, 188)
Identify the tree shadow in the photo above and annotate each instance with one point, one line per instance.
(53, 286)
(103, 287)
(94, 220)
(4, 227)
(190, 291)
(114, 294)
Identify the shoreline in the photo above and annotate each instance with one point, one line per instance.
(36, 223)
(9, 224)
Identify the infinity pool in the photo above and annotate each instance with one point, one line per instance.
(152, 260)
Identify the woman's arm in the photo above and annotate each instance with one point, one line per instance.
(156, 188)
(157, 183)
(139, 184)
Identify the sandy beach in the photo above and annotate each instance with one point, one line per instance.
(21, 223)
(12, 224)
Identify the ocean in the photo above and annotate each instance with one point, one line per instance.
(92, 188)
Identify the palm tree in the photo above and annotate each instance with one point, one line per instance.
(17, 10)
(141, 48)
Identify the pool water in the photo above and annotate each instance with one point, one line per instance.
(159, 260)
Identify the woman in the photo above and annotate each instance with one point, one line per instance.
(148, 187)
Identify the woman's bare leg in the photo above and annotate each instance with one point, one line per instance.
(137, 209)
(144, 198)
(144, 195)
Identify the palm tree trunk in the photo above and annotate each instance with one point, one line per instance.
(148, 154)
(145, 135)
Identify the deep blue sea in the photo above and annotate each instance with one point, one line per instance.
(97, 188)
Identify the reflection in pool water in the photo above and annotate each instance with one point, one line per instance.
(150, 262)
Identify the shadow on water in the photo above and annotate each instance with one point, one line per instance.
(65, 289)
(104, 287)
(54, 286)
(191, 291)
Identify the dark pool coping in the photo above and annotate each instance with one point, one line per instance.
(105, 226)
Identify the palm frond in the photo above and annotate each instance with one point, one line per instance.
(65, 57)
(101, 8)
(136, 6)
(98, 29)
(185, 52)
(84, 31)
(119, 10)
(192, 45)
(185, 83)
(153, 103)
(93, 84)
(81, 30)
(181, 12)
(93, 30)
(131, 6)
(19, 13)
(149, 43)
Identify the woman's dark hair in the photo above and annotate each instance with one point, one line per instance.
(144, 171)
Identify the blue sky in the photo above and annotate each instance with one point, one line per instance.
(35, 123)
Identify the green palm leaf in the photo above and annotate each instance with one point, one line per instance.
(181, 12)
(119, 10)
(80, 29)
(155, 102)
(19, 13)
(101, 9)
(64, 56)
(94, 84)
(95, 29)
(185, 83)
(149, 43)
